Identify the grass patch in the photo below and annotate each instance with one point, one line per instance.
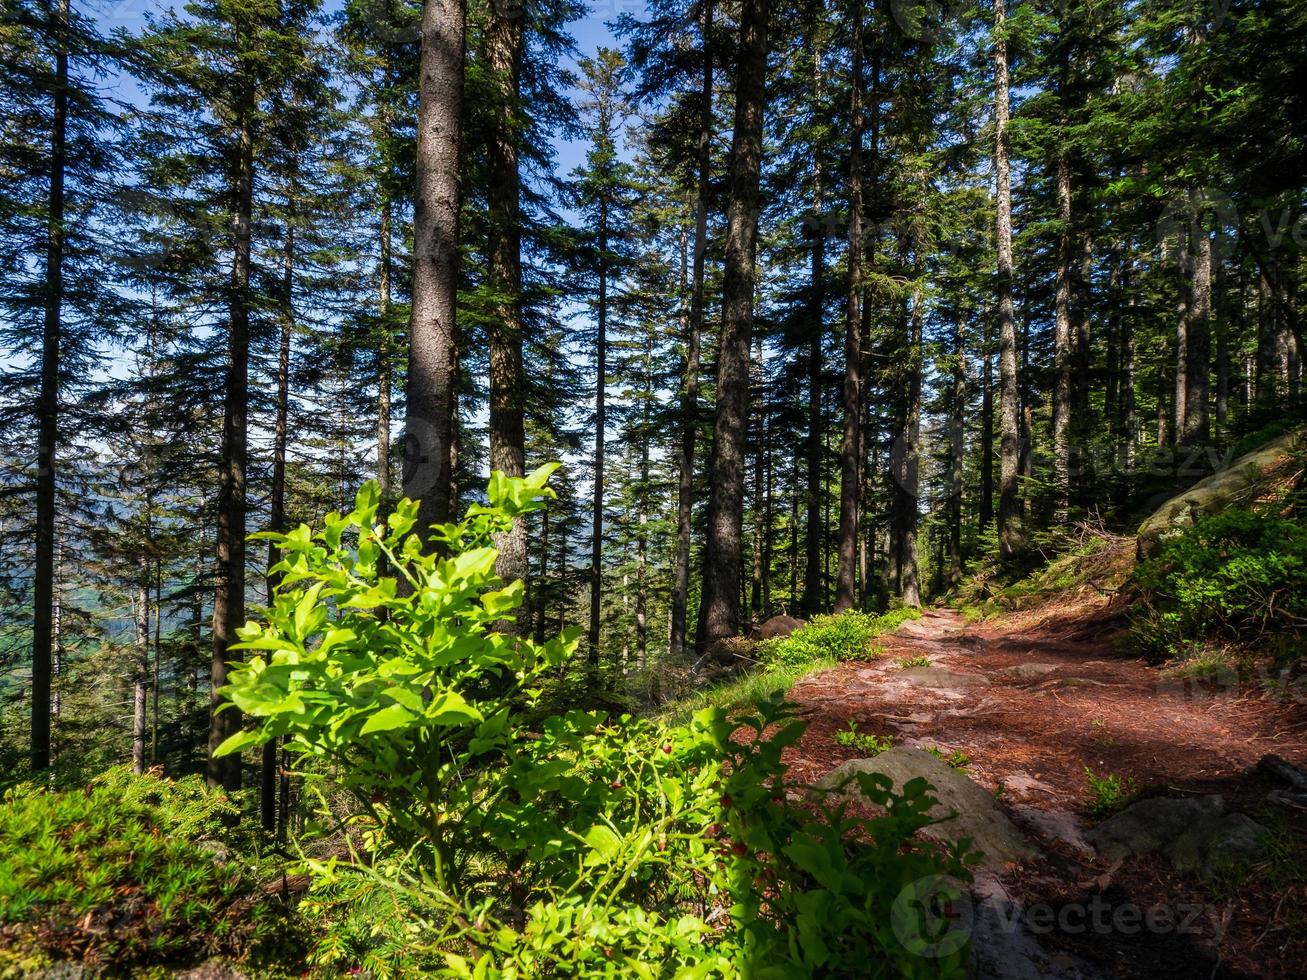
(823, 642)
(958, 759)
(868, 743)
(749, 688)
(1108, 793)
(917, 661)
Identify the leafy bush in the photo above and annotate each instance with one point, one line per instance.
(868, 742)
(113, 874)
(1234, 575)
(576, 845)
(1108, 793)
(957, 759)
(842, 636)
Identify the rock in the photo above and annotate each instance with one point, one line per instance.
(775, 627)
(1216, 492)
(1150, 825)
(978, 816)
(1195, 834)
(1004, 948)
(1028, 672)
(1054, 825)
(1212, 846)
(939, 677)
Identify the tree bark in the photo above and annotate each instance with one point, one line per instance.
(429, 428)
(986, 433)
(694, 331)
(384, 366)
(503, 55)
(1062, 342)
(957, 433)
(721, 594)
(47, 408)
(759, 449)
(141, 670)
(851, 447)
(277, 496)
(909, 482)
(1011, 535)
(597, 506)
(1196, 428)
(229, 588)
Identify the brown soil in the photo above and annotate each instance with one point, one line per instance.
(1036, 698)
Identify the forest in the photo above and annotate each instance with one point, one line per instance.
(672, 488)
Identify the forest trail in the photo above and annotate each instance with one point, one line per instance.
(1033, 703)
(1033, 707)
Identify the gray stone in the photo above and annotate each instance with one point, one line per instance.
(1214, 845)
(1195, 835)
(1028, 672)
(976, 815)
(938, 677)
(1054, 825)
(1210, 496)
(1150, 825)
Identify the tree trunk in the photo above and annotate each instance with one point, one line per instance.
(759, 409)
(1129, 408)
(813, 598)
(694, 331)
(277, 497)
(1062, 342)
(1162, 414)
(384, 367)
(229, 588)
(141, 671)
(851, 448)
(1221, 327)
(957, 430)
(1011, 535)
(597, 507)
(429, 428)
(503, 55)
(721, 594)
(1266, 337)
(47, 409)
(909, 487)
(1081, 423)
(1196, 427)
(986, 433)
(642, 517)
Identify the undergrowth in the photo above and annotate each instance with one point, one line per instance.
(126, 872)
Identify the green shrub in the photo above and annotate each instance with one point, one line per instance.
(1108, 793)
(117, 874)
(867, 742)
(577, 845)
(958, 759)
(842, 636)
(1234, 575)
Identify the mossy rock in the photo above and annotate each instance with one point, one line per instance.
(1236, 484)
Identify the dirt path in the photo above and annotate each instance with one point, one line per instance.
(1032, 707)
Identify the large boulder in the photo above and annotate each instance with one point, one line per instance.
(1195, 834)
(1235, 484)
(777, 626)
(967, 809)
